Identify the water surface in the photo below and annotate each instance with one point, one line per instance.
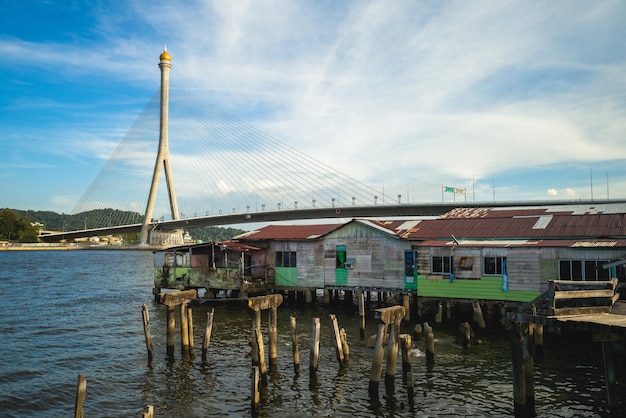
(69, 312)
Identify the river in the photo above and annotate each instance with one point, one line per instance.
(68, 312)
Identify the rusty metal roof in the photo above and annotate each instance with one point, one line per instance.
(562, 222)
(500, 243)
(288, 232)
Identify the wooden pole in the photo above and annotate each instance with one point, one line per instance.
(294, 344)
(146, 330)
(261, 348)
(184, 330)
(465, 335)
(405, 348)
(439, 314)
(539, 342)
(81, 389)
(406, 302)
(361, 298)
(326, 296)
(430, 344)
(420, 307)
(377, 363)
(478, 315)
(171, 329)
(315, 346)
(207, 334)
(149, 413)
(256, 325)
(256, 394)
(334, 327)
(609, 376)
(190, 329)
(391, 359)
(407, 375)
(344, 345)
(273, 337)
(519, 380)
(529, 375)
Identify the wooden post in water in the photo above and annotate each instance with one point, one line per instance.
(273, 336)
(393, 316)
(406, 302)
(448, 310)
(420, 307)
(81, 389)
(407, 374)
(465, 335)
(377, 362)
(439, 314)
(334, 327)
(344, 345)
(405, 348)
(149, 413)
(257, 304)
(146, 330)
(256, 394)
(391, 359)
(171, 330)
(430, 344)
(256, 324)
(478, 315)
(207, 334)
(539, 342)
(315, 347)
(190, 330)
(294, 344)
(609, 376)
(361, 298)
(529, 369)
(171, 300)
(261, 349)
(184, 330)
(519, 379)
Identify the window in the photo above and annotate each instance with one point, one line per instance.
(340, 259)
(442, 264)
(286, 259)
(495, 266)
(583, 270)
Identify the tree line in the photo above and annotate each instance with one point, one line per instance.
(22, 225)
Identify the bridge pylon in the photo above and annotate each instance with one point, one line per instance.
(163, 156)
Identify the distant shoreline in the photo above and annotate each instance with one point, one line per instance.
(80, 248)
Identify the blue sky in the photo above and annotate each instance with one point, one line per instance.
(526, 96)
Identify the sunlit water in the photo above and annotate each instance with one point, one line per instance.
(68, 312)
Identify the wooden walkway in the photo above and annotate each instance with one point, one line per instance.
(592, 307)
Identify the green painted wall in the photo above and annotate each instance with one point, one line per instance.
(286, 276)
(487, 287)
(341, 277)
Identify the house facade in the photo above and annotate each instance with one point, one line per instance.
(511, 254)
(493, 254)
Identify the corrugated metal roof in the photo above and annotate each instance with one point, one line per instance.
(567, 243)
(288, 232)
(533, 222)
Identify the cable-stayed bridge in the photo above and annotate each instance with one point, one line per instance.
(226, 172)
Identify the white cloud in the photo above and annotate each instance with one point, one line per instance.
(388, 92)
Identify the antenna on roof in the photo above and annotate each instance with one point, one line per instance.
(456, 242)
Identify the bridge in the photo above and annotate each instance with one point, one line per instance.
(230, 172)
